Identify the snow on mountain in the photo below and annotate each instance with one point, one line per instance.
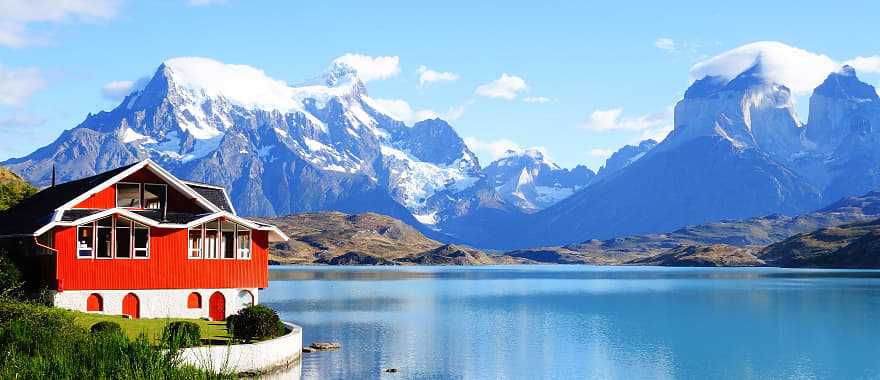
(528, 179)
(279, 147)
(625, 156)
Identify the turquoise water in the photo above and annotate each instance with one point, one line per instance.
(565, 322)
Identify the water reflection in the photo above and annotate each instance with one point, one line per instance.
(582, 322)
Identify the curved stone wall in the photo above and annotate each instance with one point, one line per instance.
(280, 354)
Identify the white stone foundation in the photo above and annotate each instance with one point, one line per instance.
(156, 303)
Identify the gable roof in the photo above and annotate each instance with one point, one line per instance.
(37, 210)
(216, 194)
(54, 205)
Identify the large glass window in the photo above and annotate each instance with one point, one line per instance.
(128, 195)
(243, 240)
(123, 238)
(154, 196)
(105, 238)
(212, 234)
(195, 243)
(85, 240)
(228, 239)
(141, 240)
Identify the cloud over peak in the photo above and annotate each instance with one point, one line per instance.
(505, 87)
(798, 69)
(371, 68)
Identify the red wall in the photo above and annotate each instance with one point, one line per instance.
(177, 201)
(167, 268)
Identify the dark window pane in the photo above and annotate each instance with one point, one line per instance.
(154, 196)
(128, 195)
(228, 244)
(123, 242)
(141, 242)
(104, 243)
(106, 222)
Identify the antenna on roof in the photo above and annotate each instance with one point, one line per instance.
(53, 175)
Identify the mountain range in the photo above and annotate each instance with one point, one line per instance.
(737, 151)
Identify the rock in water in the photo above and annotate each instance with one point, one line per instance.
(323, 346)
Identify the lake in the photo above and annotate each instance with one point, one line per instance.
(562, 322)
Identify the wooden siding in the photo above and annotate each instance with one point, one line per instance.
(177, 201)
(167, 268)
(103, 199)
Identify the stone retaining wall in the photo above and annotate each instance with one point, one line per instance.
(281, 353)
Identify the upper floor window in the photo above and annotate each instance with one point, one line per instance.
(154, 195)
(136, 195)
(128, 195)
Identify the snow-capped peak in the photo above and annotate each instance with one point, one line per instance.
(536, 154)
(240, 84)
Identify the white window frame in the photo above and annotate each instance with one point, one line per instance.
(92, 249)
(217, 253)
(201, 248)
(144, 194)
(112, 229)
(140, 195)
(221, 241)
(135, 250)
(250, 248)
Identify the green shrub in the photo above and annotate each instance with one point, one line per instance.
(106, 327)
(254, 322)
(182, 334)
(39, 342)
(11, 282)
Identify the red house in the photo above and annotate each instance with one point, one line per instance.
(139, 242)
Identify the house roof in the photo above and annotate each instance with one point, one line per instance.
(37, 210)
(54, 205)
(215, 194)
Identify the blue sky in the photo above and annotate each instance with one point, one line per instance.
(598, 74)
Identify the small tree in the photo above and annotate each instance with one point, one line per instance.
(255, 322)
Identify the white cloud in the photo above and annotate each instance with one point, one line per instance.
(537, 99)
(16, 15)
(401, 110)
(493, 149)
(505, 87)
(119, 89)
(371, 68)
(428, 76)
(17, 85)
(454, 113)
(665, 43)
(613, 120)
(865, 64)
(798, 69)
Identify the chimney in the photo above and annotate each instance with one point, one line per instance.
(53, 175)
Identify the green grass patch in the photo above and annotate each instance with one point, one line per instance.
(212, 332)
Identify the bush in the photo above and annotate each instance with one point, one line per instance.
(255, 322)
(11, 281)
(182, 334)
(39, 342)
(106, 327)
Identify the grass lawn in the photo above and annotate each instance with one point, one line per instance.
(212, 332)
